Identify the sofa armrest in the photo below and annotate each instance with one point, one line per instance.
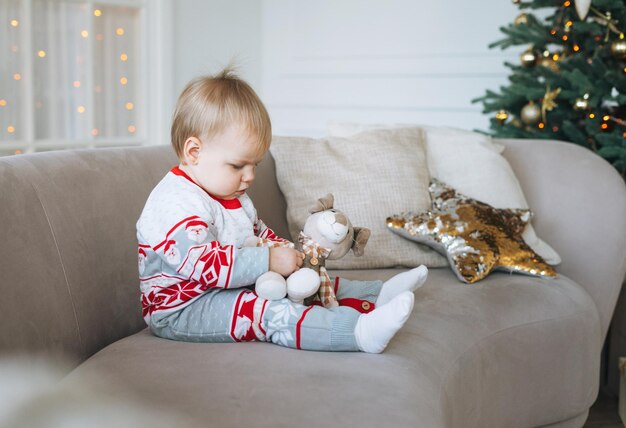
(579, 201)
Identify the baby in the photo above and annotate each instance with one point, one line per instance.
(196, 274)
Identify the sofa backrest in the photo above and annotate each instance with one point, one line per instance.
(68, 256)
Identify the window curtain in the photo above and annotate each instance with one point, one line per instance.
(70, 70)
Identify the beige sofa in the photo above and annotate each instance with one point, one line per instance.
(509, 351)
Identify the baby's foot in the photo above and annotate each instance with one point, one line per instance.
(374, 330)
(405, 281)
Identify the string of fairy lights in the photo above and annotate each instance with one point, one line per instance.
(81, 109)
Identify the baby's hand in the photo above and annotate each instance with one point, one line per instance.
(285, 261)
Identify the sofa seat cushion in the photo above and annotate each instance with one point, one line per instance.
(466, 355)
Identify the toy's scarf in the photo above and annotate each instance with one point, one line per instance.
(316, 257)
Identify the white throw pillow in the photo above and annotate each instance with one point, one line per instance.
(472, 164)
(371, 175)
(433, 133)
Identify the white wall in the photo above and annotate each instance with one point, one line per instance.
(359, 60)
(210, 33)
(381, 61)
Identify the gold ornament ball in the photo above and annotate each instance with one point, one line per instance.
(581, 104)
(618, 49)
(531, 113)
(502, 116)
(528, 58)
(522, 18)
(549, 63)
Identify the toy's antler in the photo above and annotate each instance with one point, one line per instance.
(361, 236)
(323, 204)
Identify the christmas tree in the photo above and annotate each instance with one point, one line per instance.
(570, 84)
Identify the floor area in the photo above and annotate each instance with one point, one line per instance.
(603, 413)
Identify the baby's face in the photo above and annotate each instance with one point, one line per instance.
(227, 163)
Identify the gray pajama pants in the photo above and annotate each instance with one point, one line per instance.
(240, 315)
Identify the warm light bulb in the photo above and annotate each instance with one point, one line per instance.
(41, 54)
(17, 76)
(592, 116)
(84, 34)
(569, 23)
(97, 12)
(129, 106)
(541, 125)
(123, 57)
(3, 102)
(555, 57)
(564, 38)
(605, 118)
(567, 3)
(14, 23)
(80, 109)
(604, 126)
(10, 129)
(99, 37)
(76, 83)
(131, 128)
(576, 48)
(119, 31)
(94, 132)
(123, 80)
(18, 152)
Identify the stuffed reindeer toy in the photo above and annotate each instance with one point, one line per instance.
(327, 235)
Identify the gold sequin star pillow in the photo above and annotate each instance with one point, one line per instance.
(477, 238)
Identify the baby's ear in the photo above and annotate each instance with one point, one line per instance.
(191, 149)
(361, 236)
(323, 204)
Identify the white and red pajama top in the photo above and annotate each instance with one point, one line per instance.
(189, 243)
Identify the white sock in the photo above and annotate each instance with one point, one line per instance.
(405, 281)
(374, 330)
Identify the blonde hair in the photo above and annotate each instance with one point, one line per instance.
(210, 104)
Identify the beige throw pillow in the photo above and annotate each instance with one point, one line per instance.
(371, 175)
(471, 163)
